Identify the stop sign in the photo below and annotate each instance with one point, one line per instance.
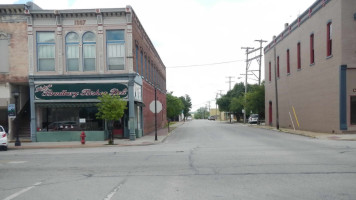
(152, 106)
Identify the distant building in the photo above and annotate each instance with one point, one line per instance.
(62, 60)
(315, 64)
(222, 116)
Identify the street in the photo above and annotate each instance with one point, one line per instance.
(201, 159)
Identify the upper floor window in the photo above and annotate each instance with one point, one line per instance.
(137, 62)
(288, 62)
(278, 67)
(4, 55)
(78, 50)
(72, 51)
(329, 39)
(115, 42)
(141, 55)
(298, 56)
(45, 51)
(312, 49)
(89, 51)
(269, 71)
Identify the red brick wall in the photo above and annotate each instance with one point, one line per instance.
(148, 116)
(142, 41)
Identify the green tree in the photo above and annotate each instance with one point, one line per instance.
(187, 105)
(111, 108)
(174, 106)
(224, 103)
(201, 113)
(236, 106)
(255, 100)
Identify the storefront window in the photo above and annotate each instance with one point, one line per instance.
(69, 118)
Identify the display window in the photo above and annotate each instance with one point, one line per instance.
(70, 119)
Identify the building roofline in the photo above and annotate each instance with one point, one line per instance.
(306, 15)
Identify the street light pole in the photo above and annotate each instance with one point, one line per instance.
(17, 142)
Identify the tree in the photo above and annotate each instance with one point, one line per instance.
(255, 100)
(174, 106)
(202, 113)
(111, 108)
(236, 106)
(187, 104)
(234, 100)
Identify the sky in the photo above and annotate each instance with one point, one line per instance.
(200, 41)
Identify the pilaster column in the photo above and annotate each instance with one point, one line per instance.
(132, 110)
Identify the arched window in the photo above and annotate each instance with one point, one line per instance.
(72, 51)
(89, 51)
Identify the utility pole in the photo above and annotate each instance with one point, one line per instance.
(216, 106)
(259, 60)
(247, 67)
(230, 77)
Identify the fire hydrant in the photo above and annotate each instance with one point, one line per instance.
(82, 136)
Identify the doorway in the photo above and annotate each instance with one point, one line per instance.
(353, 110)
(270, 113)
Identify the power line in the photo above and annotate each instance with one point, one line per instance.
(207, 64)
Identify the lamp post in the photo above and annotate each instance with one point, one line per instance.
(17, 142)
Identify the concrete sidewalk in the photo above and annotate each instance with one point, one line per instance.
(324, 136)
(148, 139)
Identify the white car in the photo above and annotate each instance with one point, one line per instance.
(253, 119)
(3, 138)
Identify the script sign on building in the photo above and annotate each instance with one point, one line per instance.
(79, 91)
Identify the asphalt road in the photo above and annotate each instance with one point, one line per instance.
(200, 160)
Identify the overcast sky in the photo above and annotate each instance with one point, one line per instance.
(187, 33)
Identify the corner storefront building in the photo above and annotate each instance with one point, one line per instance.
(75, 56)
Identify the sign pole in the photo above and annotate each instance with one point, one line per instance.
(155, 113)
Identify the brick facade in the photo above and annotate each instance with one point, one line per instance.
(310, 97)
(153, 73)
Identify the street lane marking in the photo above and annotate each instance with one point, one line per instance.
(111, 194)
(17, 162)
(22, 191)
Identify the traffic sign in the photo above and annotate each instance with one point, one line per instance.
(152, 106)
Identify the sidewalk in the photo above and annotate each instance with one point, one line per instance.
(324, 136)
(148, 139)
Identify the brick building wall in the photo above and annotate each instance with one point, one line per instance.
(311, 94)
(154, 72)
(16, 29)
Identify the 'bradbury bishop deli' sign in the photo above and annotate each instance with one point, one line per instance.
(78, 91)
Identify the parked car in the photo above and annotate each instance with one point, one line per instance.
(253, 119)
(3, 138)
(211, 118)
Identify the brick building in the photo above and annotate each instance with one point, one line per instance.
(13, 61)
(73, 57)
(311, 65)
